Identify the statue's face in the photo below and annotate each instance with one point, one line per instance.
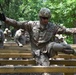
(44, 20)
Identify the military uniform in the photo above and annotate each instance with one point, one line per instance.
(7, 34)
(41, 36)
(20, 37)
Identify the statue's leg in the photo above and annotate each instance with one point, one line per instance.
(42, 60)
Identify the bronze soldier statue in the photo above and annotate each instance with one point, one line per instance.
(41, 34)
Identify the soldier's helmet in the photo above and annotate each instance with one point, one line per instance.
(44, 12)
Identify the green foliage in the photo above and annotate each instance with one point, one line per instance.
(69, 40)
